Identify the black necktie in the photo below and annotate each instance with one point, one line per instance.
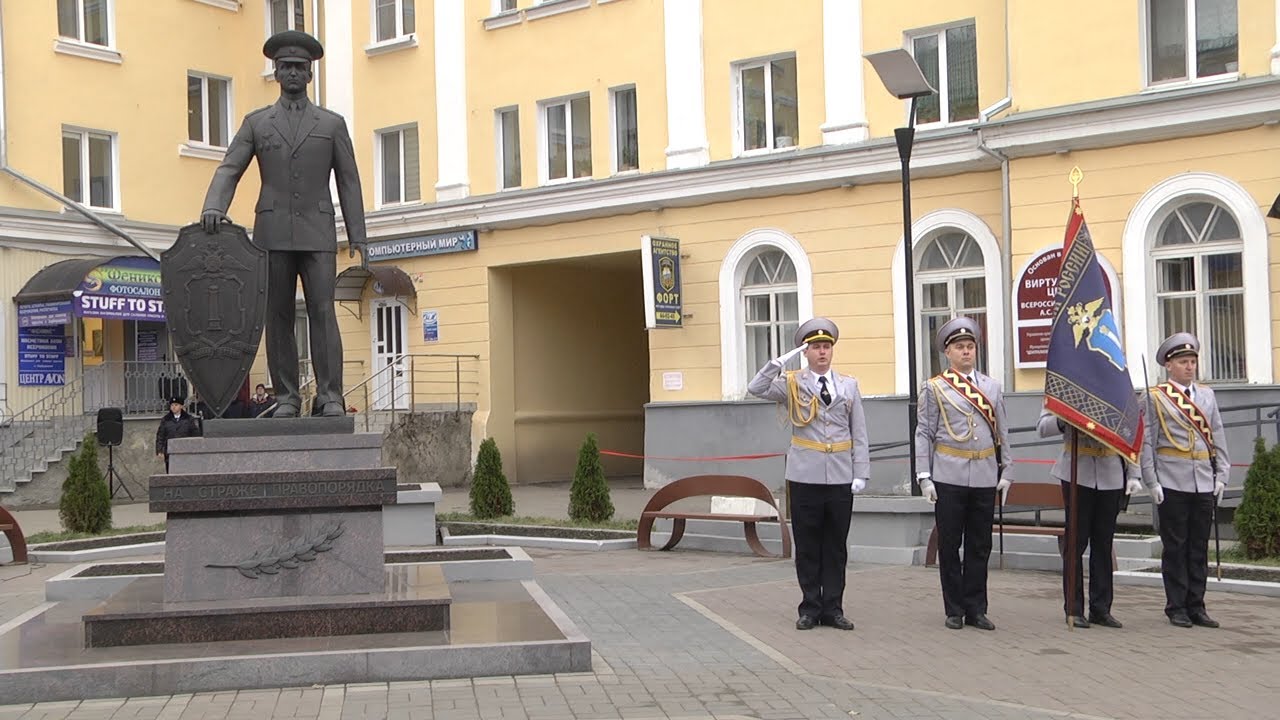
(826, 396)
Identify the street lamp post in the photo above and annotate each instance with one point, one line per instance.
(902, 77)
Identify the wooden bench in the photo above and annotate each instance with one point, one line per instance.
(1028, 495)
(704, 485)
(17, 541)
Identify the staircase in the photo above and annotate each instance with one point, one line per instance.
(41, 434)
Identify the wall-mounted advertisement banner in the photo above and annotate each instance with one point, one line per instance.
(430, 325)
(663, 303)
(44, 314)
(126, 288)
(436, 244)
(42, 355)
(1034, 290)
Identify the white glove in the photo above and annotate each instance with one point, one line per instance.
(1132, 486)
(927, 489)
(1157, 494)
(1002, 487)
(783, 359)
(1219, 487)
(859, 485)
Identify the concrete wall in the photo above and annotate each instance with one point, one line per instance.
(430, 448)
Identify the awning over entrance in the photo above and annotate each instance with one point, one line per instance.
(123, 287)
(386, 280)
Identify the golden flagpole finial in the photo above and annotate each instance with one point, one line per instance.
(1074, 177)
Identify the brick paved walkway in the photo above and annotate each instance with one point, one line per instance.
(698, 635)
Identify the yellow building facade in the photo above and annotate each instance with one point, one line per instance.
(516, 153)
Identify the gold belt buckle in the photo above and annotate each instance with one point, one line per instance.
(829, 448)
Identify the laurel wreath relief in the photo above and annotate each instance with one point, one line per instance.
(291, 555)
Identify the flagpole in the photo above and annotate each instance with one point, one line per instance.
(1073, 513)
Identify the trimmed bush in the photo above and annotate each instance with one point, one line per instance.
(589, 494)
(490, 491)
(1257, 520)
(85, 506)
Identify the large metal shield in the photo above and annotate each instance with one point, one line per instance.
(215, 295)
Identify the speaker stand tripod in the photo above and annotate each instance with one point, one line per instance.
(114, 481)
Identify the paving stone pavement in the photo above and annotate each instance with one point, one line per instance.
(692, 635)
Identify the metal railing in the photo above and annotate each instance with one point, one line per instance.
(137, 387)
(40, 432)
(412, 382)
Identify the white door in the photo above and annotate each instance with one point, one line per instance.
(390, 333)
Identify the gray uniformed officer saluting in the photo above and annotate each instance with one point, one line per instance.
(1186, 467)
(828, 461)
(1103, 478)
(962, 442)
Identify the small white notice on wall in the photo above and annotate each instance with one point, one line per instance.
(672, 381)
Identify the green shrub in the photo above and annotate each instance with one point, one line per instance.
(490, 491)
(86, 502)
(589, 494)
(1257, 520)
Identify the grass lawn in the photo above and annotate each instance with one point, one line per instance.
(48, 536)
(1236, 555)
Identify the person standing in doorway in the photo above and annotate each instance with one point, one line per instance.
(177, 423)
(1185, 467)
(1103, 478)
(962, 444)
(827, 463)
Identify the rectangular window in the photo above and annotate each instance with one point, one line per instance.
(509, 147)
(1191, 39)
(85, 20)
(626, 136)
(949, 60)
(88, 168)
(398, 176)
(1212, 309)
(208, 109)
(501, 6)
(392, 19)
(285, 15)
(767, 105)
(568, 138)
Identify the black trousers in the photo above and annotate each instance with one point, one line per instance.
(1186, 519)
(964, 516)
(318, 272)
(1095, 529)
(820, 516)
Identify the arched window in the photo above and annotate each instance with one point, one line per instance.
(770, 307)
(1199, 284)
(766, 290)
(950, 281)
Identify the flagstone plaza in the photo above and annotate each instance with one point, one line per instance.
(692, 634)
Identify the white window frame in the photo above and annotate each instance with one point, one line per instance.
(501, 149)
(499, 10)
(399, 36)
(734, 374)
(378, 136)
(544, 151)
(204, 116)
(1198, 255)
(1139, 238)
(270, 68)
(924, 229)
(78, 47)
(950, 276)
(615, 151)
(739, 139)
(944, 85)
(1144, 29)
(85, 192)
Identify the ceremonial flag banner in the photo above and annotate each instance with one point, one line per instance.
(1087, 378)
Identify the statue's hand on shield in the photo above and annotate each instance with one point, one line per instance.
(352, 247)
(209, 220)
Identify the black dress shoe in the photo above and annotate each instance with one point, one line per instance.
(839, 622)
(1203, 620)
(980, 621)
(1105, 620)
(1079, 621)
(805, 623)
(955, 622)
(1180, 619)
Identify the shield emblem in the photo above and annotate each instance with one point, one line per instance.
(215, 290)
(667, 273)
